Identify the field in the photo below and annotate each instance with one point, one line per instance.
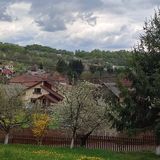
(28, 152)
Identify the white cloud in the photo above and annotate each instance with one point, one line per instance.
(22, 27)
(18, 10)
(75, 24)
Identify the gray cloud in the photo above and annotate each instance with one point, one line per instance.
(88, 17)
(53, 15)
(78, 24)
(3, 15)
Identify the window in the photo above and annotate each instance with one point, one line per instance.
(33, 100)
(37, 91)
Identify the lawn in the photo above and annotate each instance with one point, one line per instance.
(28, 152)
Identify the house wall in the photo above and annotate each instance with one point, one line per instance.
(30, 93)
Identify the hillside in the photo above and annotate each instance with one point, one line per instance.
(48, 57)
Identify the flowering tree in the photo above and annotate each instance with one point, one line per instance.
(82, 110)
(13, 112)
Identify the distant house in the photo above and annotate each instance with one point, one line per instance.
(113, 88)
(37, 89)
(6, 72)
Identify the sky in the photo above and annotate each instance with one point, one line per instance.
(75, 24)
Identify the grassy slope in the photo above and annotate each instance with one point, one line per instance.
(27, 152)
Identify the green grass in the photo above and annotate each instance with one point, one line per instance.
(28, 152)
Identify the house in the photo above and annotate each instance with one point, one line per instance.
(37, 89)
(42, 91)
(114, 89)
(6, 72)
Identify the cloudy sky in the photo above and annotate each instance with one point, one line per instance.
(75, 24)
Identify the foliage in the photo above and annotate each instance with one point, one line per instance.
(61, 66)
(75, 69)
(28, 152)
(3, 79)
(20, 67)
(82, 110)
(76, 66)
(12, 110)
(141, 107)
(120, 58)
(40, 122)
(48, 57)
(86, 75)
(97, 69)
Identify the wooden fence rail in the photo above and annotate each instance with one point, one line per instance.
(95, 142)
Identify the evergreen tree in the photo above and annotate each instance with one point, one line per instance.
(141, 105)
(76, 66)
(75, 70)
(61, 66)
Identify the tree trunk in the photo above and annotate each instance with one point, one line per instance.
(83, 141)
(158, 145)
(73, 139)
(158, 150)
(6, 138)
(72, 143)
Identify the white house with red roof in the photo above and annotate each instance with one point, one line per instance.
(37, 89)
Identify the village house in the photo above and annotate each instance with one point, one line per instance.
(38, 88)
(113, 88)
(7, 70)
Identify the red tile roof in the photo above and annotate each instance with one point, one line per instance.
(26, 78)
(29, 78)
(7, 72)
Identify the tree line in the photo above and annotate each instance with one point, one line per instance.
(48, 57)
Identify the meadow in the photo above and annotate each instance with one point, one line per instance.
(29, 152)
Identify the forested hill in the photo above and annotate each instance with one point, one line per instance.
(37, 54)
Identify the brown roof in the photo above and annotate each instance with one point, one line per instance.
(54, 93)
(26, 78)
(29, 79)
(53, 100)
(31, 84)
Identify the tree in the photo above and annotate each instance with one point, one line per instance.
(40, 123)
(82, 111)
(97, 69)
(93, 68)
(61, 66)
(3, 79)
(41, 66)
(141, 107)
(13, 113)
(75, 69)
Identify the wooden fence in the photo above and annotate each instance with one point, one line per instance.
(118, 144)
